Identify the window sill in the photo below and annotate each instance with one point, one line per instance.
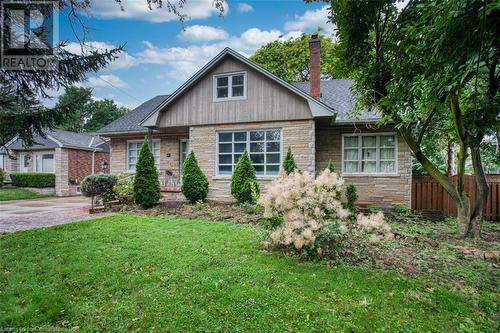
(229, 99)
(370, 175)
(228, 178)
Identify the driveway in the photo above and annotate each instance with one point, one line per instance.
(30, 214)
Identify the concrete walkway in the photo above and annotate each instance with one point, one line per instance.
(30, 214)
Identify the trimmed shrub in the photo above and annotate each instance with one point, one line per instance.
(352, 196)
(289, 164)
(330, 166)
(194, 182)
(146, 181)
(2, 176)
(98, 185)
(33, 179)
(244, 187)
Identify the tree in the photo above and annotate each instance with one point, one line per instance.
(21, 113)
(431, 58)
(244, 180)
(194, 182)
(98, 185)
(289, 164)
(146, 180)
(88, 115)
(289, 59)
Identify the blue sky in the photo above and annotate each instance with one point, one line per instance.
(160, 55)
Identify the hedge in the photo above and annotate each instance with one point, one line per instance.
(33, 179)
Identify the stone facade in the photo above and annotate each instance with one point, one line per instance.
(299, 135)
(169, 153)
(383, 190)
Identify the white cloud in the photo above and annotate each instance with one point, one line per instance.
(311, 20)
(138, 9)
(183, 62)
(244, 8)
(123, 61)
(202, 33)
(105, 81)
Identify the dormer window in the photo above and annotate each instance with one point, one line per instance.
(230, 86)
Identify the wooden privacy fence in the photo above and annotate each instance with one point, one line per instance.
(428, 196)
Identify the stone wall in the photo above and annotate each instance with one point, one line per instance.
(299, 135)
(169, 152)
(383, 191)
(61, 162)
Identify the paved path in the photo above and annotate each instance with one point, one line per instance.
(30, 214)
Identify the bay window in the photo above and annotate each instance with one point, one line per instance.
(263, 147)
(133, 150)
(369, 154)
(230, 86)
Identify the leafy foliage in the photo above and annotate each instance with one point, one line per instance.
(194, 181)
(289, 59)
(124, 188)
(289, 164)
(2, 177)
(244, 181)
(351, 195)
(98, 185)
(330, 166)
(146, 180)
(88, 115)
(33, 179)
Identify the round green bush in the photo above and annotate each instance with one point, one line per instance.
(146, 180)
(102, 184)
(194, 181)
(244, 187)
(2, 176)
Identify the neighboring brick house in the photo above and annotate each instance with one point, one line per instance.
(71, 156)
(232, 104)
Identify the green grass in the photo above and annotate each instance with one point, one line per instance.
(7, 194)
(137, 273)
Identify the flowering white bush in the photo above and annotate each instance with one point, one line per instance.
(305, 203)
(375, 225)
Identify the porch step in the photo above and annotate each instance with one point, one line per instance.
(170, 189)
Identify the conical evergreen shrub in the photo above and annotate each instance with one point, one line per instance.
(289, 163)
(146, 181)
(330, 166)
(194, 181)
(244, 180)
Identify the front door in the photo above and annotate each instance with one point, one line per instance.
(183, 151)
(24, 162)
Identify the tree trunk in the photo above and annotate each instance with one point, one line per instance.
(449, 160)
(477, 216)
(463, 216)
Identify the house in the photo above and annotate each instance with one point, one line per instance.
(232, 104)
(71, 156)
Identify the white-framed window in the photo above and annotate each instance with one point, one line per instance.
(44, 162)
(232, 86)
(264, 148)
(133, 150)
(369, 153)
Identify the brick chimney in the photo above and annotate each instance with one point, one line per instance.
(314, 69)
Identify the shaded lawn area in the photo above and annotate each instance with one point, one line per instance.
(130, 272)
(7, 194)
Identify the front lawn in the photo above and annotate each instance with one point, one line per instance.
(138, 273)
(7, 194)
